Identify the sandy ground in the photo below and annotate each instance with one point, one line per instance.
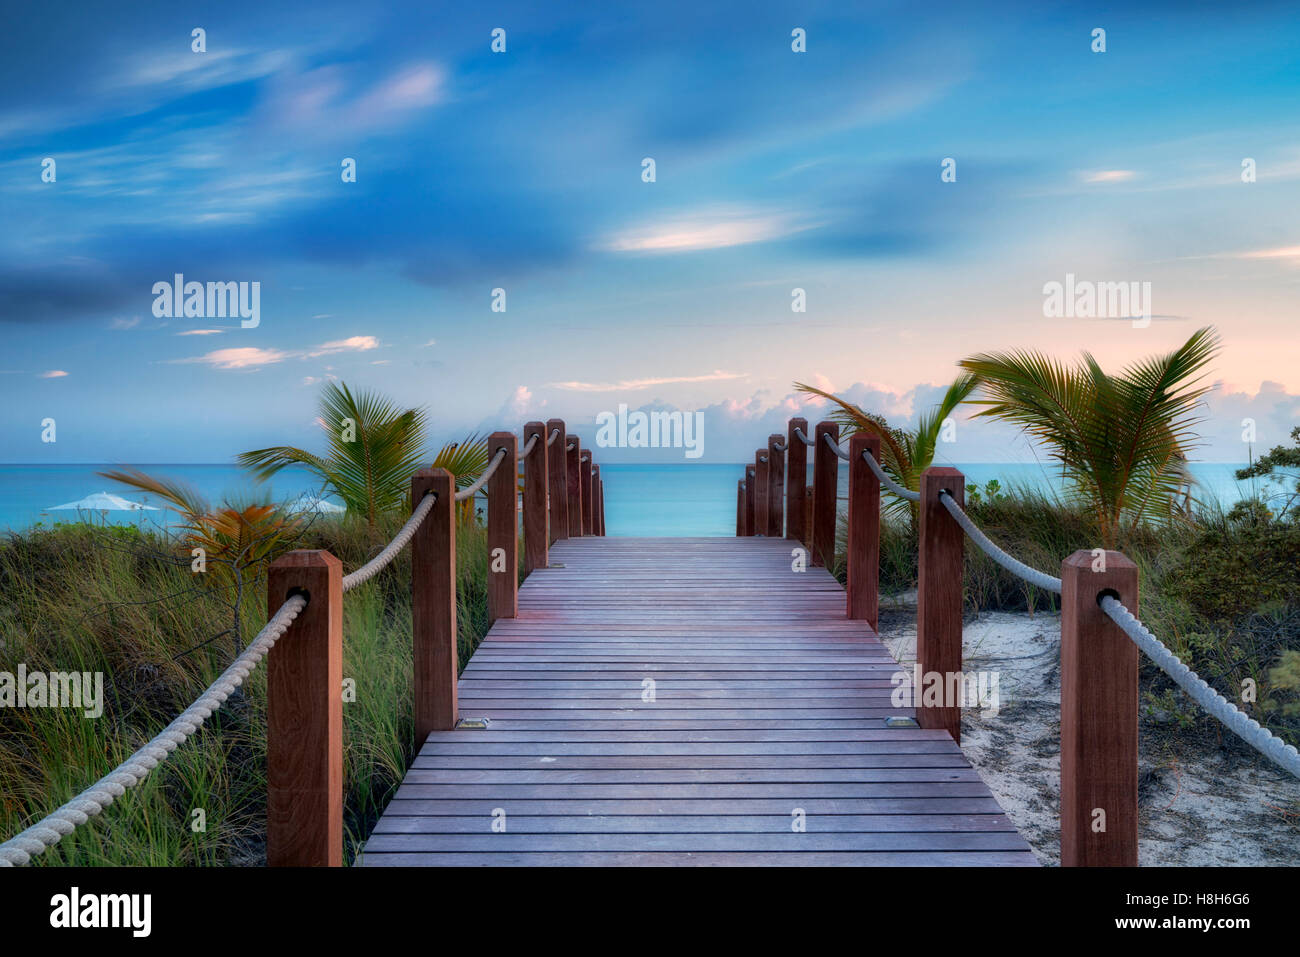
(1199, 805)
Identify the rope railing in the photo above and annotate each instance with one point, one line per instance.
(835, 446)
(798, 434)
(555, 434)
(469, 490)
(779, 446)
(432, 699)
(888, 482)
(1013, 565)
(47, 832)
(1228, 714)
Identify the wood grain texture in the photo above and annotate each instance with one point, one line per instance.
(760, 491)
(535, 479)
(740, 508)
(433, 604)
(863, 580)
(556, 482)
(585, 463)
(503, 529)
(573, 478)
(674, 702)
(941, 564)
(796, 481)
(775, 488)
(826, 472)
(1099, 715)
(304, 720)
(749, 500)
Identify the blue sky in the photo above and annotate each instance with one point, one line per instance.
(522, 170)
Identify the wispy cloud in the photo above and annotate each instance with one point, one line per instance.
(252, 357)
(632, 385)
(201, 332)
(715, 229)
(53, 374)
(351, 344)
(1109, 176)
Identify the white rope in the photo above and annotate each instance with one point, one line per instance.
(1015, 566)
(889, 483)
(555, 434)
(529, 445)
(371, 568)
(798, 434)
(779, 446)
(1237, 721)
(469, 490)
(762, 458)
(48, 831)
(834, 447)
(570, 448)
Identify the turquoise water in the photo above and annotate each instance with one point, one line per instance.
(682, 499)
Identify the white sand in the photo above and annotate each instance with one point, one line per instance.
(1197, 807)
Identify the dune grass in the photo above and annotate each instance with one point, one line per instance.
(121, 602)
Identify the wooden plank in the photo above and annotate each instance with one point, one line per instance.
(662, 701)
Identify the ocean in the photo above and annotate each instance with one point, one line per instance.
(684, 499)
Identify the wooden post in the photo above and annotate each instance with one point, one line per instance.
(826, 477)
(433, 604)
(1099, 715)
(535, 476)
(602, 508)
(585, 462)
(760, 492)
(304, 720)
(864, 531)
(557, 490)
(573, 479)
(595, 499)
(503, 530)
(749, 500)
(740, 508)
(938, 602)
(807, 518)
(796, 479)
(775, 487)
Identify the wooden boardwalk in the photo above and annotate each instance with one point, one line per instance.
(767, 702)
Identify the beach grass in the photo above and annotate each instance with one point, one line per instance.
(123, 603)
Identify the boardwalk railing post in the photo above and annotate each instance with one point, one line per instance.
(826, 473)
(796, 480)
(807, 517)
(775, 487)
(585, 462)
(760, 492)
(433, 604)
(535, 478)
(573, 481)
(304, 721)
(749, 500)
(602, 507)
(941, 564)
(1099, 714)
(864, 531)
(503, 529)
(595, 498)
(740, 508)
(556, 486)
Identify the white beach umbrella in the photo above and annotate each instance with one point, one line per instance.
(103, 502)
(313, 503)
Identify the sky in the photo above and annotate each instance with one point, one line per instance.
(518, 177)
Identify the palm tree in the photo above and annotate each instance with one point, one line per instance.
(1122, 440)
(374, 449)
(904, 453)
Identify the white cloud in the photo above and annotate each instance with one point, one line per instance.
(121, 323)
(53, 374)
(709, 229)
(201, 332)
(1109, 176)
(351, 344)
(242, 357)
(632, 385)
